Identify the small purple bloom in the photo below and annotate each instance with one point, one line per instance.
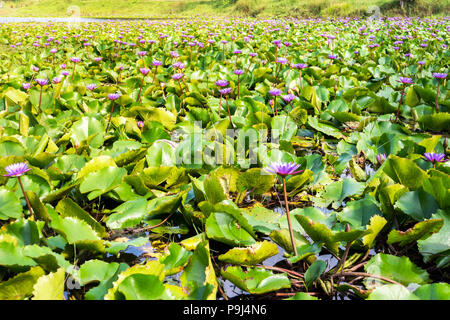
(284, 168)
(225, 91)
(56, 80)
(75, 59)
(113, 96)
(16, 169)
(26, 85)
(156, 63)
(221, 83)
(332, 56)
(238, 72)
(281, 60)
(144, 71)
(406, 80)
(65, 73)
(299, 66)
(41, 82)
(381, 158)
(177, 76)
(140, 124)
(434, 157)
(275, 92)
(289, 97)
(91, 86)
(439, 75)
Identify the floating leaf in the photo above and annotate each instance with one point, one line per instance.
(256, 280)
(250, 256)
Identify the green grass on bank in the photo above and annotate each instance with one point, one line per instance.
(186, 8)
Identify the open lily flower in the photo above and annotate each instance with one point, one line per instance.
(284, 168)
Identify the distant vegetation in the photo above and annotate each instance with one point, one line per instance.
(167, 8)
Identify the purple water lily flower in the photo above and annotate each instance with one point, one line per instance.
(56, 80)
(434, 157)
(75, 59)
(221, 83)
(281, 60)
(406, 80)
(114, 96)
(140, 124)
(225, 91)
(283, 168)
(332, 56)
(299, 66)
(91, 87)
(144, 71)
(381, 158)
(26, 85)
(289, 97)
(238, 72)
(439, 75)
(177, 76)
(41, 82)
(275, 92)
(16, 169)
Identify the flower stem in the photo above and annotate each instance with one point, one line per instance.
(40, 99)
(229, 113)
(289, 218)
(437, 98)
(399, 105)
(139, 94)
(110, 116)
(26, 197)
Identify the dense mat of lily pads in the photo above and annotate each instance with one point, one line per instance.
(120, 178)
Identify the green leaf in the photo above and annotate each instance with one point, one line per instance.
(74, 229)
(435, 122)
(199, 276)
(325, 128)
(114, 247)
(255, 180)
(68, 208)
(225, 228)
(141, 287)
(21, 285)
(175, 258)
(282, 237)
(88, 127)
(128, 214)
(318, 232)
(250, 256)
(10, 206)
(152, 267)
(50, 287)
(421, 230)
(102, 181)
(96, 164)
(359, 212)
(438, 243)
(302, 296)
(337, 191)
(434, 291)
(399, 269)
(392, 292)
(314, 272)
(405, 172)
(105, 273)
(376, 224)
(12, 255)
(256, 280)
(417, 204)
